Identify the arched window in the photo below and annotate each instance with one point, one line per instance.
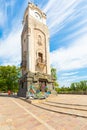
(39, 40)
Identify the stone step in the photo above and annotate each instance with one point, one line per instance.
(62, 110)
(67, 106)
(68, 99)
(65, 103)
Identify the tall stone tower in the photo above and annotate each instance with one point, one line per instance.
(35, 50)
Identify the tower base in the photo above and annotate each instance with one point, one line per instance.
(40, 82)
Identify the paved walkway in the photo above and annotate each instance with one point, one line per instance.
(15, 114)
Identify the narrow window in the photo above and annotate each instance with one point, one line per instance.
(40, 56)
(39, 40)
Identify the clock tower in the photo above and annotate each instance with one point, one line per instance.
(35, 63)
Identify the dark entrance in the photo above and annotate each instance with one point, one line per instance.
(43, 85)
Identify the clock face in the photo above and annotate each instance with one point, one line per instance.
(37, 15)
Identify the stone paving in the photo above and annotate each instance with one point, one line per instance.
(15, 114)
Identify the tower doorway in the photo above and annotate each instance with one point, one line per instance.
(43, 85)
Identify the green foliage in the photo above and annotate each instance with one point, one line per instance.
(53, 73)
(75, 88)
(54, 76)
(9, 76)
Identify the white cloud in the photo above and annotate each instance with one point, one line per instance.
(60, 12)
(2, 17)
(68, 80)
(4, 9)
(10, 48)
(10, 44)
(69, 73)
(72, 57)
(2, 14)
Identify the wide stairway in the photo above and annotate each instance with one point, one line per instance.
(68, 107)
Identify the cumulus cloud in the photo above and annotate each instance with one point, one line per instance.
(72, 57)
(10, 48)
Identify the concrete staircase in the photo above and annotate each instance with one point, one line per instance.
(52, 105)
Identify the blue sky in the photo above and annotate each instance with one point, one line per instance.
(67, 23)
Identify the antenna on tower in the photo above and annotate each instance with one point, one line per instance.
(29, 1)
(33, 1)
(36, 2)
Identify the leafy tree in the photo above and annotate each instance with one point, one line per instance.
(9, 76)
(77, 88)
(54, 76)
(53, 73)
(73, 86)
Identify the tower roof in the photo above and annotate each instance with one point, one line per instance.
(33, 6)
(32, 9)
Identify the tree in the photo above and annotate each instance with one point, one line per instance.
(54, 75)
(9, 76)
(73, 86)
